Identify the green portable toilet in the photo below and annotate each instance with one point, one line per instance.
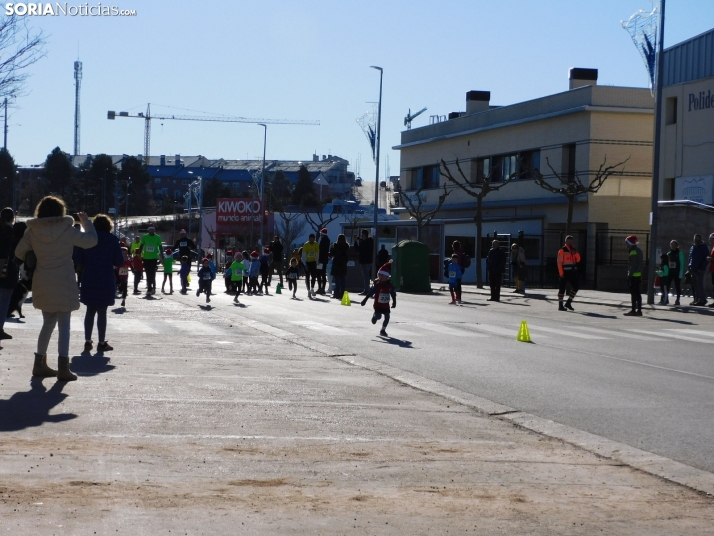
(410, 267)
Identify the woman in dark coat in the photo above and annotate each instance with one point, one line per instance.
(98, 287)
(8, 269)
(339, 251)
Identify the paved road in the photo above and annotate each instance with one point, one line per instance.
(646, 382)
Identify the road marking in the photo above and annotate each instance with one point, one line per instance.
(619, 334)
(675, 335)
(565, 332)
(133, 325)
(509, 332)
(194, 327)
(317, 326)
(693, 332)
(440, 328)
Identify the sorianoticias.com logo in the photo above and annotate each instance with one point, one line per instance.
(47, 9)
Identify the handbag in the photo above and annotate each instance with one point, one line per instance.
(656, 281)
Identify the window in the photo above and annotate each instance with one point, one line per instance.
(671, 111)
(426, 177)
(567, 170)
(184, 183)
(157, 180)
(529, 161)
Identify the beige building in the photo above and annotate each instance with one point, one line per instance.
(573, 132)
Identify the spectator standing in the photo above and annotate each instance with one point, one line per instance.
(9, 272)
(635, 267)
(698, 265)
(276, 247)
(365, 250)
(340, 255)
(663, 275)
(518, 267)
(51, 236)
(382, 256)
(568, 260)
(459, 252)
(98, 288)
(322, 258)
(496, 266)
(676, 268)
(135, 245)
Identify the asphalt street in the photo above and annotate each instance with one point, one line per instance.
(645, 382)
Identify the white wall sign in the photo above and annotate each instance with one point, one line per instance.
(699, 189)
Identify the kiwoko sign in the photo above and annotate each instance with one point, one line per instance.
(236, 213)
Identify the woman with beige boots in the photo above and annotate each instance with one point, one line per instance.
(52, 237)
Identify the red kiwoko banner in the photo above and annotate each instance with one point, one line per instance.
(236, 214)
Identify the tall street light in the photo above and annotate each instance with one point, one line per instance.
(262, 182)
(376, 180)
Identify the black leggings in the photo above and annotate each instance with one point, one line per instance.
(636, 292)
(677, 284)
(101, 313)
(310, 274)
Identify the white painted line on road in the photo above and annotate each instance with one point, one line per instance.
(565, 332)
(693, 332)
(618, 334)
(676, 336)
(439, 328)
(195, 327)
(266, 328)
(129, 325)
(500, 330)
(318, 326)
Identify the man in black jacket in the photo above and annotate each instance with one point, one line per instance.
(496, 265)
(322, 257)
(184, 245)
(276, 248)
(365, 249)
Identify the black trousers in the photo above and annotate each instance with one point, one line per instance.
(150, 266)
(494, 281)
(571, 276)
(635, 284)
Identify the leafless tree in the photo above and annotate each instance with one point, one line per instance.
(572, 187)
(414, 204)
(479, 189)
(20, 47)
(317, 218)
(289, 228)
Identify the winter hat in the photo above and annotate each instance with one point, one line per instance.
(168, 251)
(323, 231)
(266, 250)
(182, 231)
(151, 227)
(631, 240)
(386, 269)
(254, 254)
(711, 236)
(209, 256)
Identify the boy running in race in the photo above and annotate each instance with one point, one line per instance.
(382, 290)
(183, 273)
(455, 274)
(237, 268)
(292, 274)
(205, 280)
(168, 271)
(123, 275)
(138, 269)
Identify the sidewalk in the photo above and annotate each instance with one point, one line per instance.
(235, 426)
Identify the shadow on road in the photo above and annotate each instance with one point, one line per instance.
(397, 342)
(32, 408)
(597, 315)
(119, 310)
(87, 364)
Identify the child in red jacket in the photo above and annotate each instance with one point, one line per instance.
(138, 269)
(382, 290)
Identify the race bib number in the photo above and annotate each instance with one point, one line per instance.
(383, 298)
(207, 277)
(292, 276)
(149, 249)
(311, 257)
(183, 244)
(123, 270)
(672, 265)
(452, 275)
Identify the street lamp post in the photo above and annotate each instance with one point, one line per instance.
(262, 183)
(126, 217)
(376, 180)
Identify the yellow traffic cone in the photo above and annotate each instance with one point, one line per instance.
(523, 333)
(346, 299)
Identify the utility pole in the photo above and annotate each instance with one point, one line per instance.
(5, 129)
(376, 180)
(116, 207)
(652, 261)
(262, 184)
(77, 87)
(128, 186)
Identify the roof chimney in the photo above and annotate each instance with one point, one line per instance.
(163, 159)
(177, 162)
(477, 101)
(580, 77)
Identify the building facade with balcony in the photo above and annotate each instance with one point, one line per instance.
(574, 132)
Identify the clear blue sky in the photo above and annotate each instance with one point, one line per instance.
(285, 59)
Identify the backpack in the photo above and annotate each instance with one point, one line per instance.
(465, 260)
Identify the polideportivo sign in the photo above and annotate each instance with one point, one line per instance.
(701, 101)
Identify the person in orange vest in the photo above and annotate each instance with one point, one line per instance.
(568, 259)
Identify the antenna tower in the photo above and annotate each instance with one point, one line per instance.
(77, 87)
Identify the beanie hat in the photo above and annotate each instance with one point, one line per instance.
(204, 259)
(209, 256)
(168, 251)
(631, 240)
(266, 250)
(151, 227)
(386, 269)
(254, 254)
(323, 231)
(182, 231)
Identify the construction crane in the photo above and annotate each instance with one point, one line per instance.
(147, 117)
(411, 116)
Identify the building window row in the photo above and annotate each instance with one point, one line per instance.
(499, 168)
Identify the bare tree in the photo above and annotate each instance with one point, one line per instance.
(318, 218)
(479, 189)
(20, 47)
(289, 228)
(571, 187)
(415, 206)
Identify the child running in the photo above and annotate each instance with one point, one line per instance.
(205, 279)
(254, 270)
(237, 268)
(183, 273)
(455, 274)
(663, 274)
(123, 275)
(168, 271)
(265, 269)
(292, 274)
(382, 290)
(138, 269)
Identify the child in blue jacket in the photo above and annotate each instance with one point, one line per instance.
(455, 274)
(205, 279)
